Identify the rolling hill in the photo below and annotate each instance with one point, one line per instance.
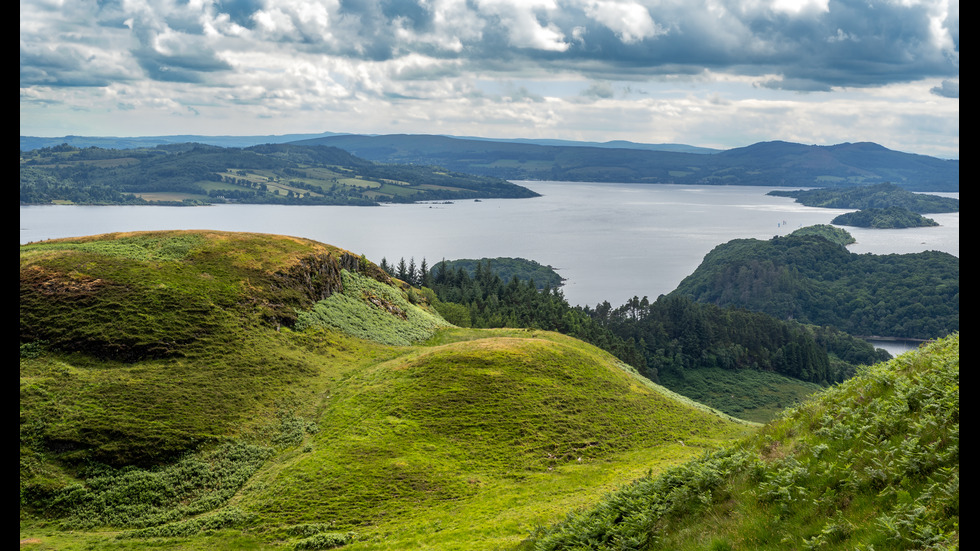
(214, 390)
(870, 464)
(195, 174)
(775, 163)
(771, 163)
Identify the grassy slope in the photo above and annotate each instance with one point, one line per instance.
(872, 463)
(144, 347)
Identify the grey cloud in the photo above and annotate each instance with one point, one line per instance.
(598, 90)
(854, 43)
(64, 65)
(948, 89)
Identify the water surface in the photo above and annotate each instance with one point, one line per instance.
(610, 241)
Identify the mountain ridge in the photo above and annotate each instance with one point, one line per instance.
(771, 163)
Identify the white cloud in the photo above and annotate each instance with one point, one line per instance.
(630, 21)
(707, 72)
(521, 20)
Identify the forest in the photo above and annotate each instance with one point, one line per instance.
(671, 334)
(884, 218)
(878, 196)
(811, 280)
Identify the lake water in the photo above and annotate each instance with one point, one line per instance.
(610, 241)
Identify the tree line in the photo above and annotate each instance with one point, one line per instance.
(673, 333)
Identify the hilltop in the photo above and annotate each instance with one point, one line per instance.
(209, 390)
(806, 277)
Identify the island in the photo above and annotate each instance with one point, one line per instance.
(879, 196)
(886, 218)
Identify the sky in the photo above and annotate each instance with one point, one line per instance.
(709, 73)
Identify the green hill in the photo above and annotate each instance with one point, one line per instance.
(870, 464)
(811, 279)
(214, 390)
(195, 174)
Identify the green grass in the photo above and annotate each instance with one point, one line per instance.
(369, 309)
(872, 463)
(748, 394)
(345, 428)
(162, 406)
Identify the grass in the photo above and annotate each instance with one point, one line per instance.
(872, 463)
(752, 395)
(243, 432)
(163, 407)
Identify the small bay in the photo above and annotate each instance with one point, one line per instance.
(610, 241)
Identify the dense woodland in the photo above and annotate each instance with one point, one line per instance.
(812, 280)
(672, 334)
(884, 218)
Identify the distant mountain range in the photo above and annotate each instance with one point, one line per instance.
(774, 163)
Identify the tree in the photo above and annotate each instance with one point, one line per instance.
(412, 273)
(425, 278)
(402, 270)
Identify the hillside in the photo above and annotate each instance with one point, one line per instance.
(195, 390)
(196, 174)
(870, 464)
(814, 280)
(774, 163)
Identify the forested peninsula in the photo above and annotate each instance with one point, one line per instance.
(812, 280)
(195, 174)
(877, 196)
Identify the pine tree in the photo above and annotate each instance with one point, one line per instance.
(401, 271)
(425, 278)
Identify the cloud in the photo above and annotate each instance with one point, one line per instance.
(413, 60)
(948, 89)
(847, 43)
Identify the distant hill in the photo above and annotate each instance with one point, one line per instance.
(29, 143)
(194, 174)
(774, 163)
(613, 144)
